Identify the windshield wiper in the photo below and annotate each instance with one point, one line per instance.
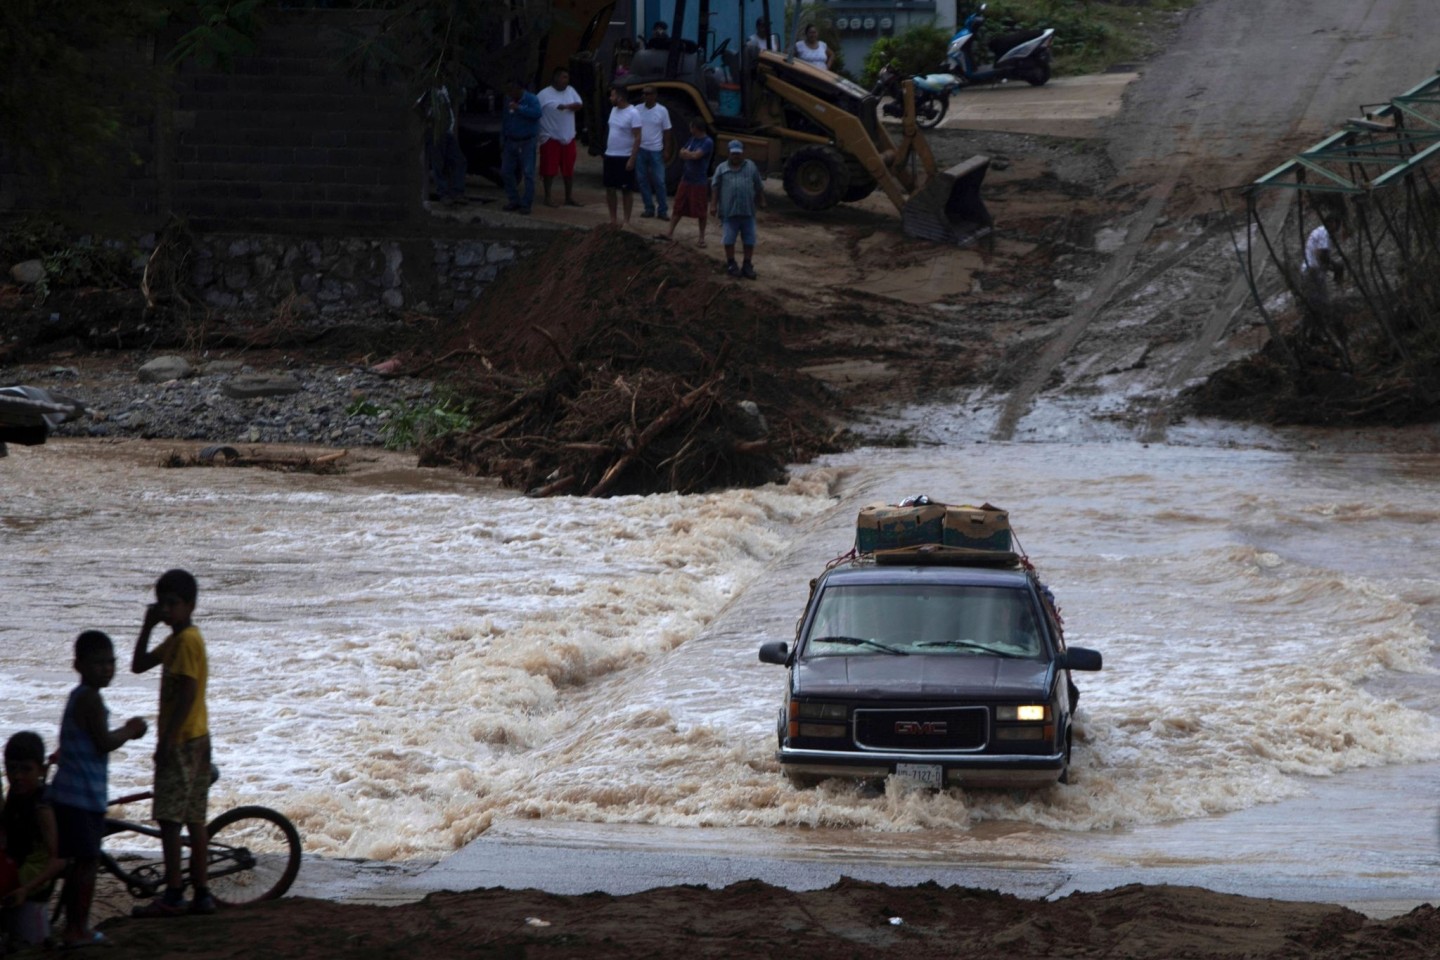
(970, 645)
(861, 642)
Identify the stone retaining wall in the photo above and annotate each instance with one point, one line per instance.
(326, 276)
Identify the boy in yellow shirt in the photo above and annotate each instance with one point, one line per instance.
(182, 749)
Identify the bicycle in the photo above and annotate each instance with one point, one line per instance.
(254, 855)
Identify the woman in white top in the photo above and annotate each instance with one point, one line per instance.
(814, 50)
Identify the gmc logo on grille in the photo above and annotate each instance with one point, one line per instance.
(914, 728)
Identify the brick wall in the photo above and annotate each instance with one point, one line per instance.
(282, 141)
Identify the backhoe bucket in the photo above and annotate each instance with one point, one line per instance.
(948, 208)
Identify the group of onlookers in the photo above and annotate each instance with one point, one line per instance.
(541, 128)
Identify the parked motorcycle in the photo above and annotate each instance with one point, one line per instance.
(932, 95)
(1022, 55)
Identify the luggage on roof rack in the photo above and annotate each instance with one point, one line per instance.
(919, 521)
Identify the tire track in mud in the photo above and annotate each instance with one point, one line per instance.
(1221, 137)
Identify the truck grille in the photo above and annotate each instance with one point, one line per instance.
(938, 728)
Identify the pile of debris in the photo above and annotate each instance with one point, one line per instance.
(611, 365)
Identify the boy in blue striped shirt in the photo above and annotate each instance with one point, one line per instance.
(79, 792)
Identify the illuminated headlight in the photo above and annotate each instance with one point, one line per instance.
(1027, 711)
(831, 730)
(810, 710)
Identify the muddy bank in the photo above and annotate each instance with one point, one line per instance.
(752, 919)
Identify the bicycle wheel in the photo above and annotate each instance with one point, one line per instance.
(254, 855)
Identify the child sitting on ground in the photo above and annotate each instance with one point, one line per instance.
(80, 790)
(30, 842)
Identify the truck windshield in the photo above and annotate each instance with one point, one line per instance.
(924, 618)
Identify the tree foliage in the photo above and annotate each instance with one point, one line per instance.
(70, 72)
(456, 43)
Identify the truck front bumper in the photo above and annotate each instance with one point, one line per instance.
(963, 769)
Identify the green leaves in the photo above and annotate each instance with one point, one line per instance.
(224, 31)
(70, 72)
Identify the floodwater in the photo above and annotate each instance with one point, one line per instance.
(401, 659)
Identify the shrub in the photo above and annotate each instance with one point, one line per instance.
(918, 49)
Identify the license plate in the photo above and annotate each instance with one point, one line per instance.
(925, 774)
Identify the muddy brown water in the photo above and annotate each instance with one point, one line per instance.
(403, 660)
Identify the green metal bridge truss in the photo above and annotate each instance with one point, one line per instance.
(1379, 176)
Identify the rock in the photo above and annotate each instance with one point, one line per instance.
(757, 419)
(222, 366)
(237, 276)
(499, 254)
(393, 299)
(28, 272)
(162, 369)
(249, 386)
(468, 253)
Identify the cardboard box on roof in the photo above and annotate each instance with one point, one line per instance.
(882, 526)
(979, 528)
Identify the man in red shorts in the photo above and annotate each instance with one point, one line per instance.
(558, 104)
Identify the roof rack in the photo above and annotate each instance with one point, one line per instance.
(935, 554)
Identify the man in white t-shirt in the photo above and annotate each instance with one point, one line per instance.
(763, 38)
(1321, 259)
(559, 103)
(654, 145)
(622, 147)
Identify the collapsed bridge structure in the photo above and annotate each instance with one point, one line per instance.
(1377, 181)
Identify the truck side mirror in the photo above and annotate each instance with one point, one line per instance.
(1079, 658)
(776, 651)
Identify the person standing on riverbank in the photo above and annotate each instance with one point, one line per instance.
(519, 128)
(622, 147)
(443, 156)
(692, 196)
(736, 191)
(559, 103)
(654, 145)
(182, 748)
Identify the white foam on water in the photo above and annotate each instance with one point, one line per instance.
(399, 670)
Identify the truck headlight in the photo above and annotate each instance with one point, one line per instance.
(1037, 712)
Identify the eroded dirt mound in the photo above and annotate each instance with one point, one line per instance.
(1303, 380)
(607, 364)
(752, 919)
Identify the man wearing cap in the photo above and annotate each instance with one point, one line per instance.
(736, 190)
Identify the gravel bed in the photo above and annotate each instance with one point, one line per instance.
(336, 405)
